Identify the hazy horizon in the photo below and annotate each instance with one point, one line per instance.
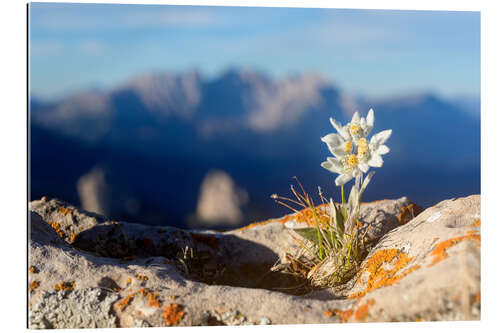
(372, 53)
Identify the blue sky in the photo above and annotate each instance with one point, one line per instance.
(374, 53)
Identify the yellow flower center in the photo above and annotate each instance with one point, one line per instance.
(362, 147)
(355, 129)
(348, 147)
(352, 160)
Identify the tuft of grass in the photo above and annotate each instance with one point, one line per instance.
(331, 238)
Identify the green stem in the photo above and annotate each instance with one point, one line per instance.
(343, 202)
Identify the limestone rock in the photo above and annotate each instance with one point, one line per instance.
(66, 219)
(82, 308)
(118, 274)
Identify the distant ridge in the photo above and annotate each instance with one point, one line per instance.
(157, 135)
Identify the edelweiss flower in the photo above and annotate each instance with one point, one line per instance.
(353, 154)
(346, 167)
(369, 153)
(359, 127)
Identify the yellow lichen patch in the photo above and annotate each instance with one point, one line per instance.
(125, 302)
(32, 269)
(380, 277)
(65, 211)
(408, 213)
(57, 228)
(34, 285)
(72, 238)
(129, 281)
(173, 313)
(439, 251)
(68, 286)
(362, 310)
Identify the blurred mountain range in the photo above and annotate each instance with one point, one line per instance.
(144, 148)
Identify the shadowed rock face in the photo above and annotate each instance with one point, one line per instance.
(119, 274)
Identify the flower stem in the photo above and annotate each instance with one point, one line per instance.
(343, 202)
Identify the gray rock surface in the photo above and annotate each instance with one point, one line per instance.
(81, 308)
(118, 274)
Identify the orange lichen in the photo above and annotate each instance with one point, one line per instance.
(125, 302)
(362, 310)
(34, 285)
(173, 313)
(72, 238)
(57, 228)
(152, 297)
(409, 212)
(172, 297)
(344, 315)
(307, 216)
(32, 269)
(129, 281)
(304, 215)
(139, 312)
(476, 223)
(478, 298)
(439, 251)
(141, 277)
(65, 211)
(380, 277)
(251, 225)
(328, 313)
(68, 286)
(153, 300)
(359, 311)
